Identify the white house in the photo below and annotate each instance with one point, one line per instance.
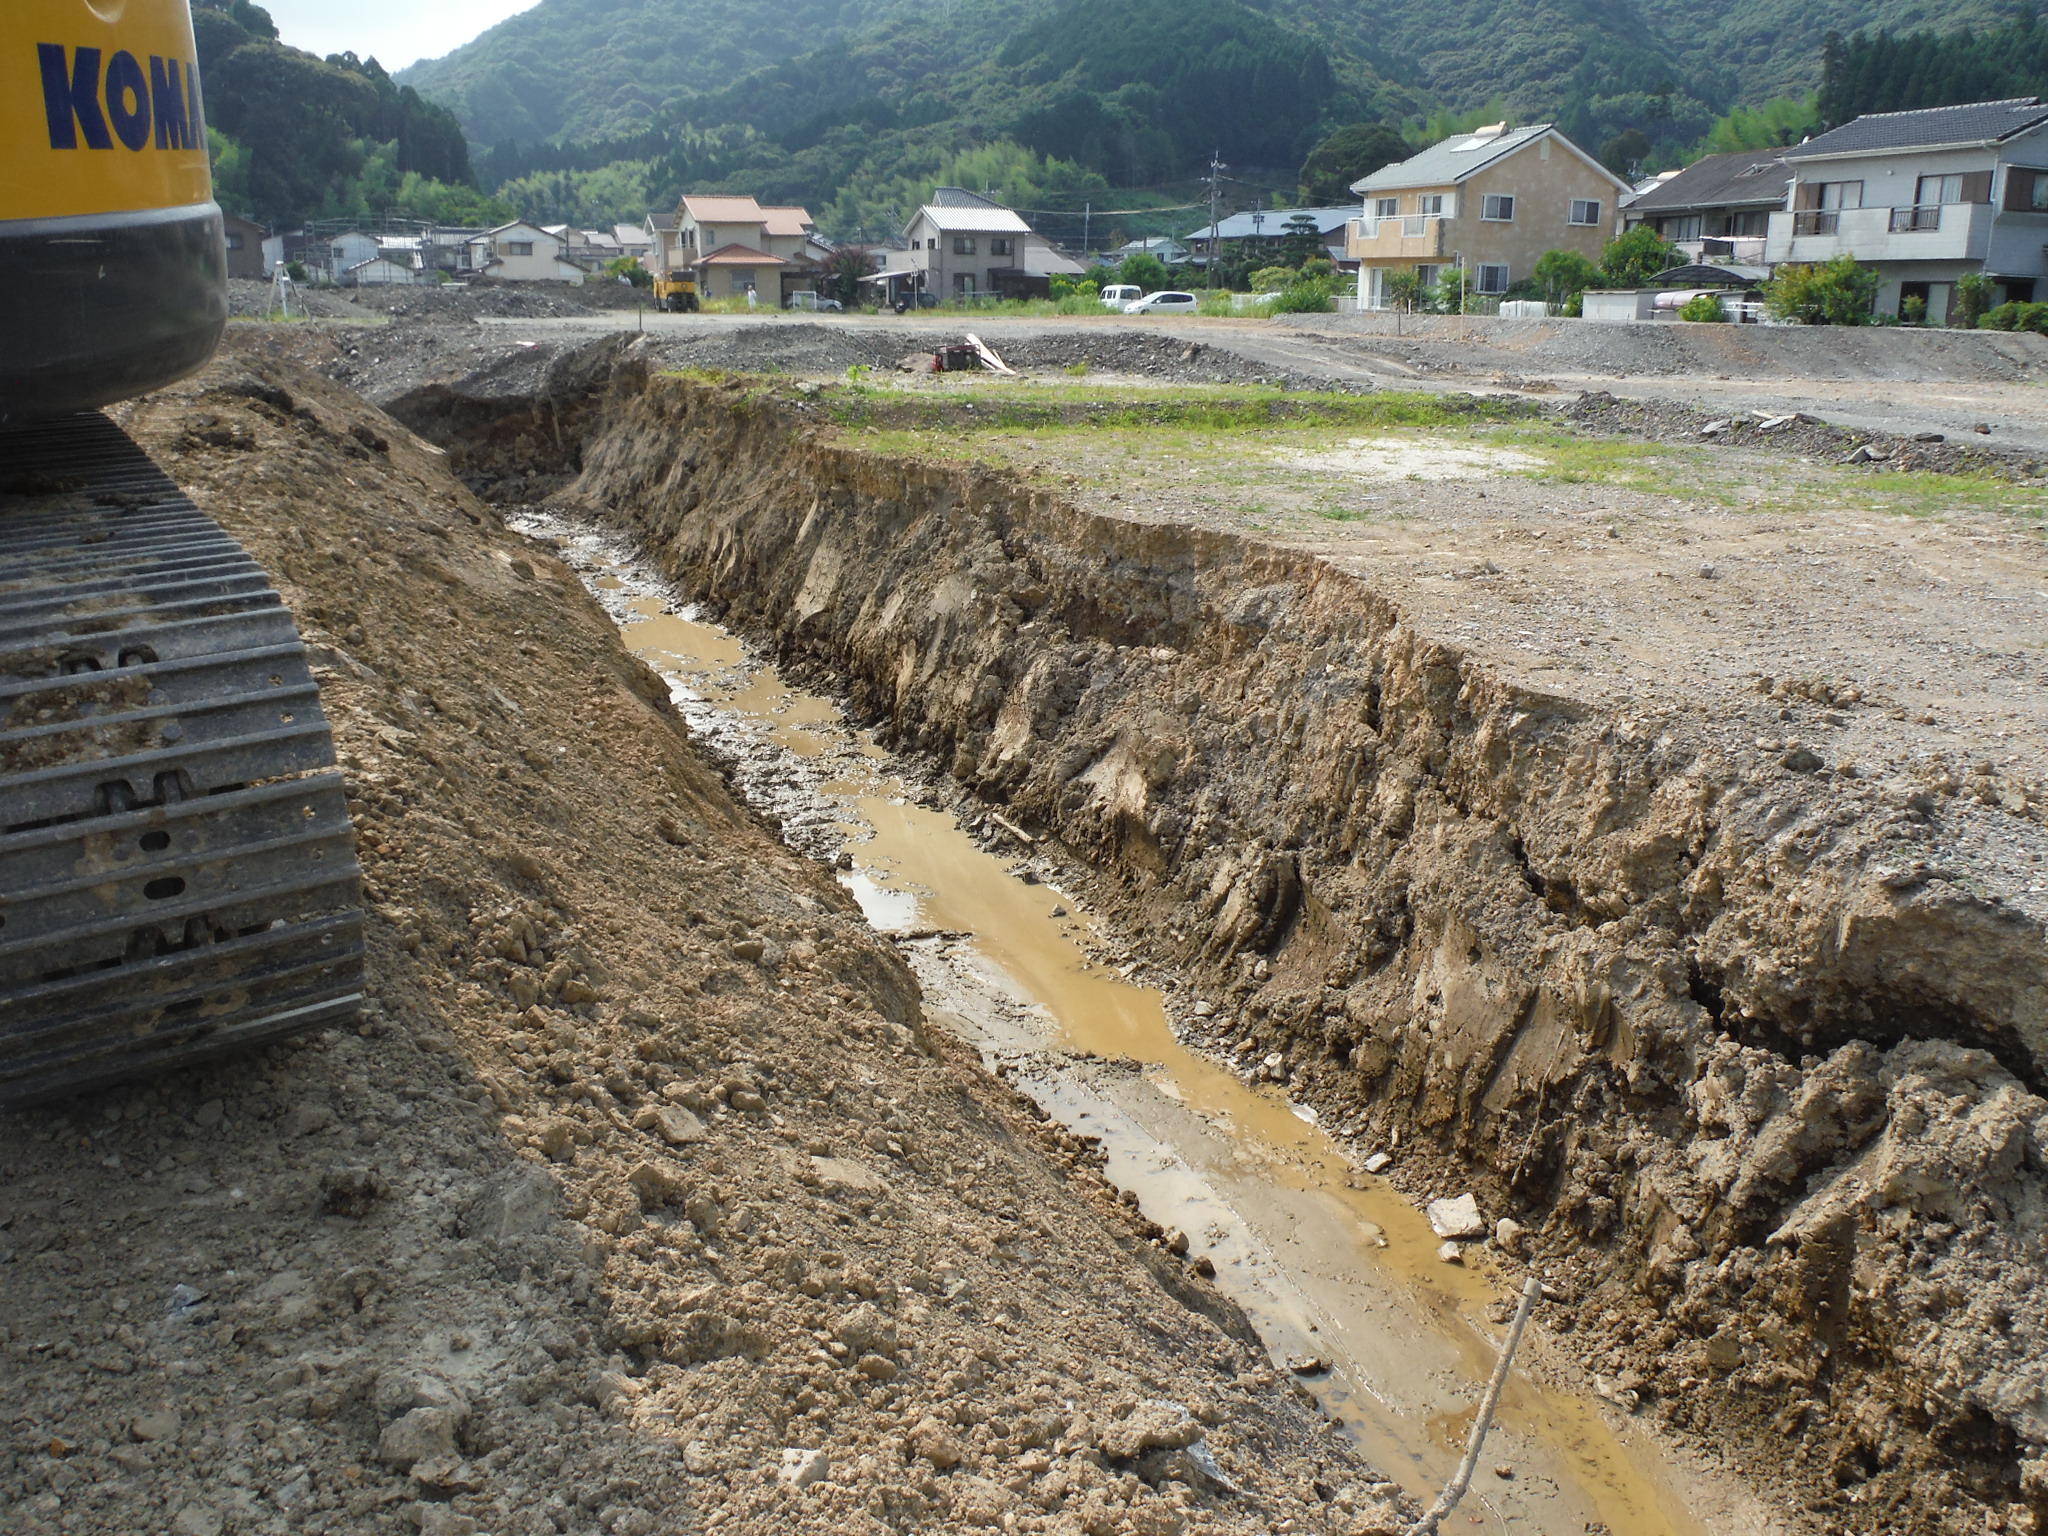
(387, 269)
(1925, 197)
(520, 252)
(961, 244)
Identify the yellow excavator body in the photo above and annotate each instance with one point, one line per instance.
(178, 873)
(112, 261)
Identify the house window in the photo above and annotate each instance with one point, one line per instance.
(1386, 207)
(963, 282)
(1493, 279)
(1933, 191)
(234, 241)
(519, 247)
(1426, 276)
(1430, 205)
(338, 253)
(1837, 195)
(1752, 224)
(1685, 226)
(999, 245)
(1497, 208)
(1585, 211)
(963, 245)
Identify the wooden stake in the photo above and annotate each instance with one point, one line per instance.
(1454, 1490)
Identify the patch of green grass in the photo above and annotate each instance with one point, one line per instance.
(1920, 494)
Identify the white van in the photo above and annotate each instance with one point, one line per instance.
(1116, 295)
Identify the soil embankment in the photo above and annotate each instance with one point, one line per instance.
(642, 1201)
(1745, 1053)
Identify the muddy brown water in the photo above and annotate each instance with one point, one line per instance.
(1327, 1261)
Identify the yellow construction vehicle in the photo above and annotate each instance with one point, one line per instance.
(676, 291)
(177, 868)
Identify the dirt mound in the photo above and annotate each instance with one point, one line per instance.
(1753, 1053)
(1679, 351)
(641, 1200)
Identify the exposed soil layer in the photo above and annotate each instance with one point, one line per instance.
(1747, 1051)
(642, 1201)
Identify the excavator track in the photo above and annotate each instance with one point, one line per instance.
(178, 874)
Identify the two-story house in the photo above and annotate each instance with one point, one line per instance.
(1716, 208)
(1492, 202)
(960, 244)
(520, 252)
(1925, 197)
(735, 245)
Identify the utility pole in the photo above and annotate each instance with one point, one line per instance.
(1086, 209)
(1215, 196)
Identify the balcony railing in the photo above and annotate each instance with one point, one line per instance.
(1815, 221)
(1409, 226)
(1906, 220)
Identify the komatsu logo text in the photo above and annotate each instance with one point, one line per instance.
(127, 101)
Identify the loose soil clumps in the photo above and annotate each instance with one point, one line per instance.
(642, 1200)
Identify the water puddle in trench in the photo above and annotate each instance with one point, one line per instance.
(1327, 1261)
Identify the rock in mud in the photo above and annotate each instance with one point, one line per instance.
(1456, 1216)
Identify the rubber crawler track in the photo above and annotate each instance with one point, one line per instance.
(178, 874)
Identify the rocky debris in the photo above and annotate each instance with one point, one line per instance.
(552, 1317)
(1456, 1216)
(1797, 432)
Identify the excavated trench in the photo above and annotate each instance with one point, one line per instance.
(1759, 1107)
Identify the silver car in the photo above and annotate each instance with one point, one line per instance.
(1168, 301)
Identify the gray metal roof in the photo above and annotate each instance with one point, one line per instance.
(1272, 224)
(1451, 161)
(1752, 177)
(1977, 122)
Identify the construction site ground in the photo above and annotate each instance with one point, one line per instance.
(648, 1197)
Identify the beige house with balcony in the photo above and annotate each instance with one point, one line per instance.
(735, 243)
(1492, 201)
(1925, 197)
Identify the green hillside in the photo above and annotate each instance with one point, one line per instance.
(596, 68)
(585, 69)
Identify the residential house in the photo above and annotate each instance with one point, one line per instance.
(735, 244)
(245, 246)
(520, 252)
(1925, 197)
(634, 241)
(1719, 207)
(387, 268)
(1267, 226)
(961, 244)
(1492, 201)
(1171, 252)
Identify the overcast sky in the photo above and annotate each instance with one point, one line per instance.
(396, 32)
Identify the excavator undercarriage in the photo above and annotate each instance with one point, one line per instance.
(177, 866)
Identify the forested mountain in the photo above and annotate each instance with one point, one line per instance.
(593, 108)
(585, 69)
(298, 137)
(1888, 73)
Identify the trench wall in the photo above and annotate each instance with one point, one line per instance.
(1762, 1108)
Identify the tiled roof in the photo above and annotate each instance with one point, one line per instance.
(787, 221)
(724, 210)
(1721, 181)
(739, 256)
(1273, 223)
(959, 197)
(1976, 122)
